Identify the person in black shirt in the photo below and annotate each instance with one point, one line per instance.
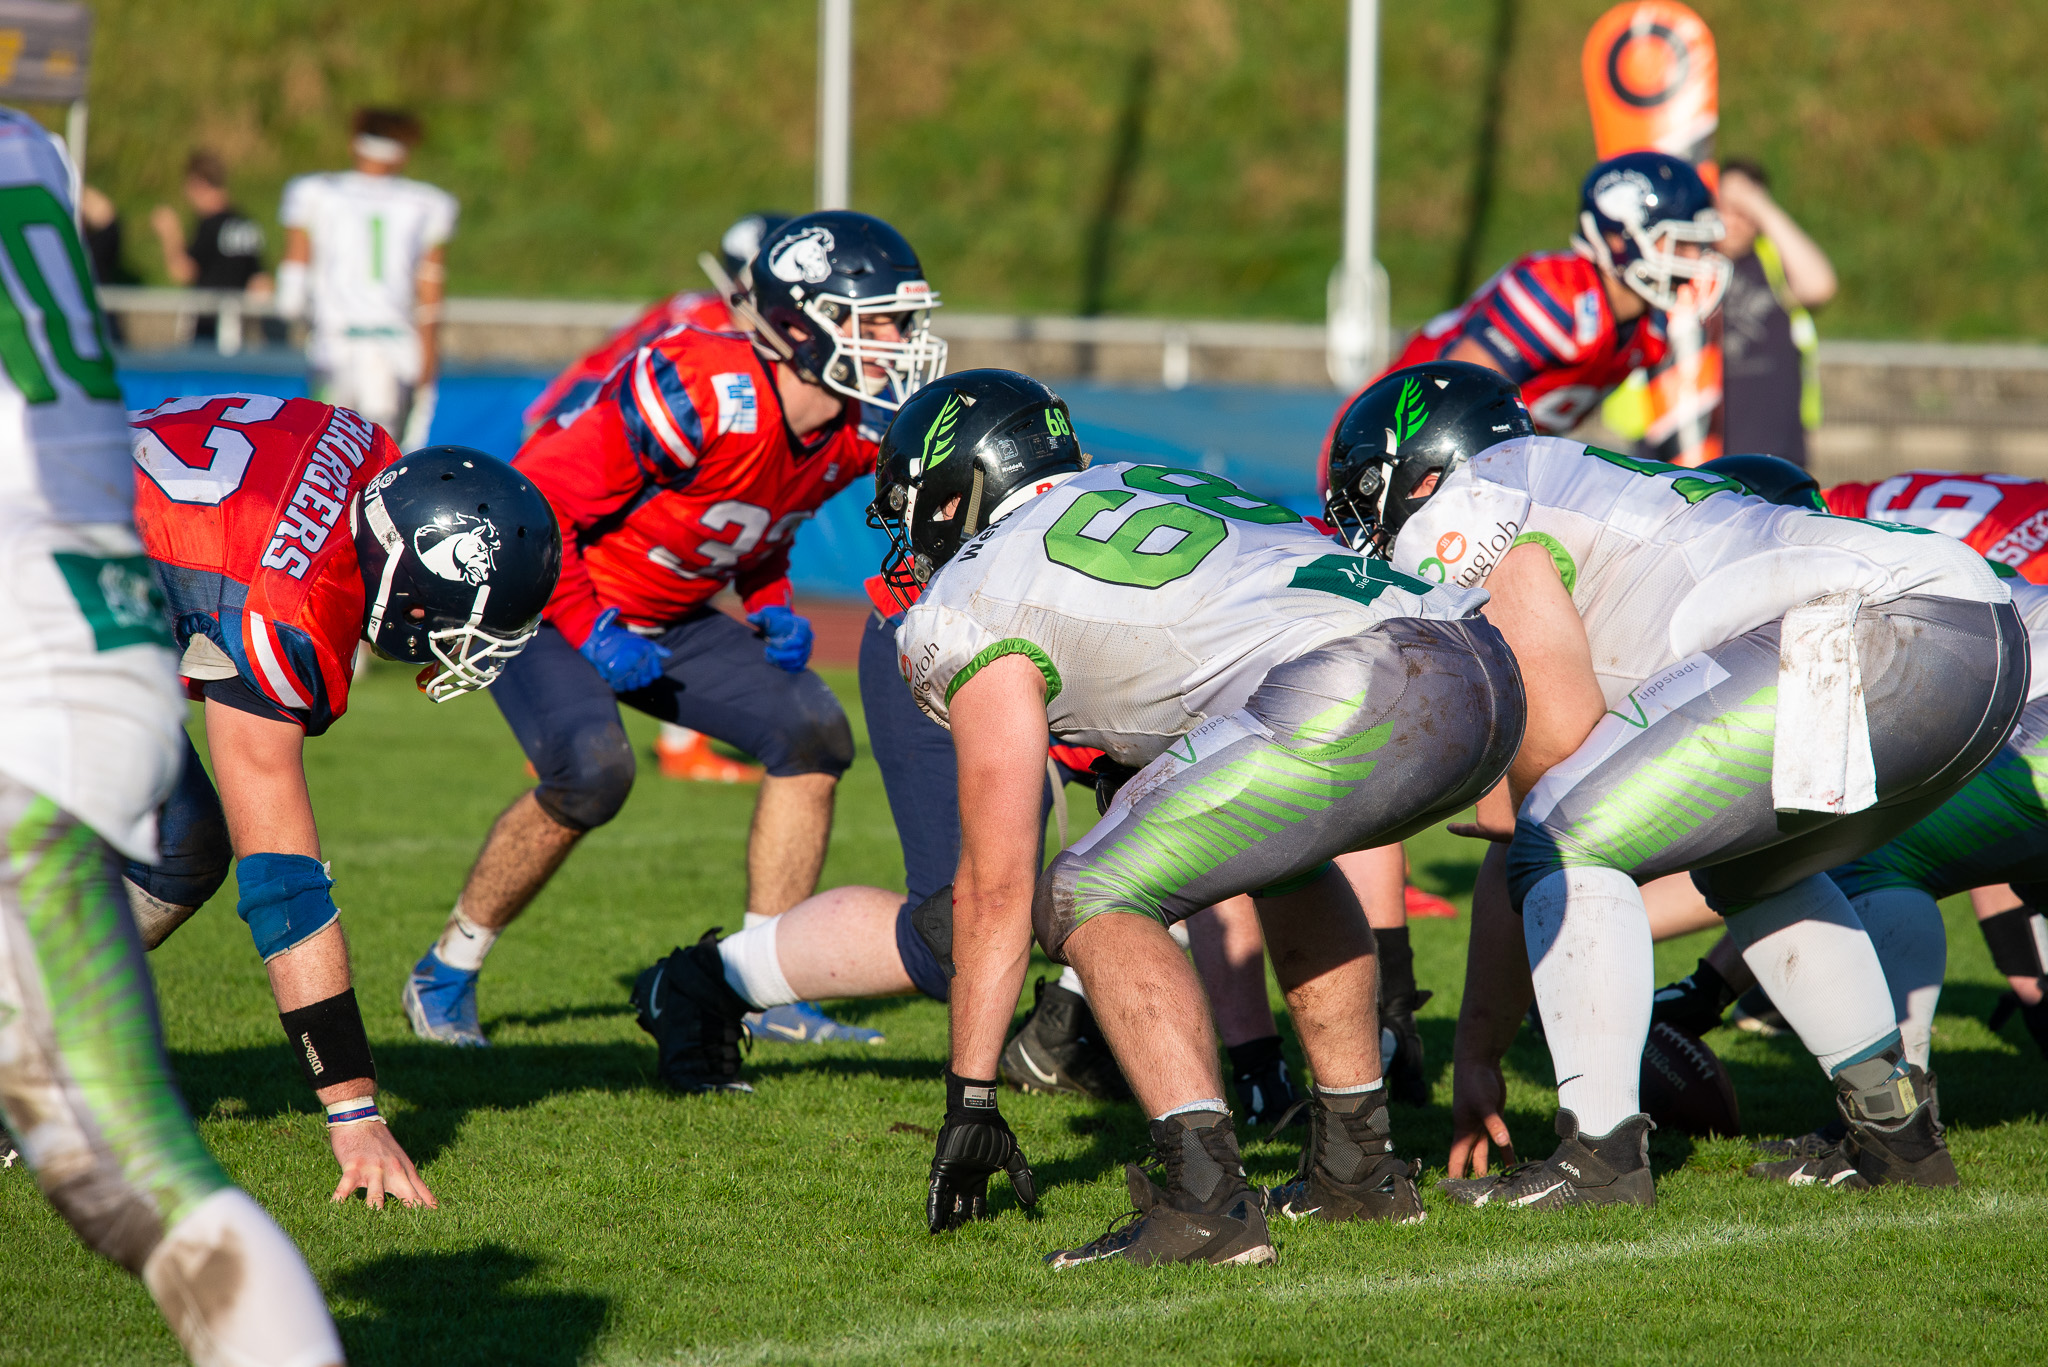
(226, 248)
(1772, 376)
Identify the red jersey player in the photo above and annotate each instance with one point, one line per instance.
(2002, 517)
(692, 469)
(1568, 327)
(570, 392)
(282, 532)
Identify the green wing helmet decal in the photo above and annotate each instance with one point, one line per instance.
(938, 440)
(1409, 414)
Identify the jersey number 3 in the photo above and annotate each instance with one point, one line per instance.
(1159, 543)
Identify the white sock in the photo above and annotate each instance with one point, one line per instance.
(1590, 955)
(751, 919)
(1912, 945)
(1813, 957)
(236, 1291)
(463, 942)
(1179, 931)
(1359, 1090)
(1207, 1103)
(753, 967)
(1072, 982)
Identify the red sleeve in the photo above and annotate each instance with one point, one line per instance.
(1846, 500)
(587, 473)
(767, 584)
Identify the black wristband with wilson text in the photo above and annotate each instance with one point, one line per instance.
(327, 1039)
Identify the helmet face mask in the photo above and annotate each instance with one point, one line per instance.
(960, 454)
(827, 285)
(1662, 212)
(459, 554)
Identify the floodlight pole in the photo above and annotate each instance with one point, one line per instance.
(835, 103)
(1358, 291)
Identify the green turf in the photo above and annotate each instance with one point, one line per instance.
(586, 1216)
(598, 145)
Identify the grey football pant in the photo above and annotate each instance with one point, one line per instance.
(84, 1084)
(1944, 681)
(1359, 743)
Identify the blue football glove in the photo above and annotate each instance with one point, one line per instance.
(626, 661)
(786, 635)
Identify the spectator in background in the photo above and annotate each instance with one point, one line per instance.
(99, 228)
(363, 251)
(226, 248)
(1771, 352)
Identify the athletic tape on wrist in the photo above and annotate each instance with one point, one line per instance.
(284, 900)
(355, 1111)
(328, 1040)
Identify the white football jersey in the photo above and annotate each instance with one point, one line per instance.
(1151, 600)
(369, 235)
(90, 713)
(1662, 561)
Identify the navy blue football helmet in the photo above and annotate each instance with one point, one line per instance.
(822, 283)
(1656, 204)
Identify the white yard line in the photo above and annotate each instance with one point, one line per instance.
(901, 1342)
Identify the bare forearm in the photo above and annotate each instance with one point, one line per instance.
(1498, 989)
(991, 950)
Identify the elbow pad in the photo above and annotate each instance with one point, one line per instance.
(285, 900)
(291, 289)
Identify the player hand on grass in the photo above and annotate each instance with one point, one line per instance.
(372, 1162)
(1478, 1092)
(625, 660)
(974, 1144)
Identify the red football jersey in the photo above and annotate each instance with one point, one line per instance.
(2002, 517)
(242, 502)
(1546, 323)
(570, 392)
(682, 477)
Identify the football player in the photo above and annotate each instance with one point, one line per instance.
(90, 746)
(2005, 517)
(364, 255)
(1679, 623)
(1568, 327)
(1256, 677)
(570, 392)
(692, 470)
(284, 531)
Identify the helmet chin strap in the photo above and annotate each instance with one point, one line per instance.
(388, 536)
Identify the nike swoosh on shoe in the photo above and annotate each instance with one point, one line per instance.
(654, 993)
(1049, 1079)
(799, 1033)
(1534, 1197)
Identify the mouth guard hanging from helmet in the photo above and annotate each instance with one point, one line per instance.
(469, 544)
(977, 441)
(1655, 203)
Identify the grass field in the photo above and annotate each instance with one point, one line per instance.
(598, 145)
(586, 1216)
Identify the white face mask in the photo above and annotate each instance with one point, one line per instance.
(905, 366)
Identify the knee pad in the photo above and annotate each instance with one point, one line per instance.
(817, 739)
(924, 941)
(285, 900)
(598, 780)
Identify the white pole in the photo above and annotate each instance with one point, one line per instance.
(835, 103)
(74, 143)
(1357, 299)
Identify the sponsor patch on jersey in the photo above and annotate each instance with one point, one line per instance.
(1586, 318)
(2020, 544)
(1450, 547)
(739, 408)
(119, 597)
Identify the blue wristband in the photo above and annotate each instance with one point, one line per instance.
(284, 900)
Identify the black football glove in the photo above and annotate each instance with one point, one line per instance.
(974, 1144)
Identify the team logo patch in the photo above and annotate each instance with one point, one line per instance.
(739, 408)
(1625, 196)
(1586, 318)
(804, 257)
(1450, 547)
(465, 550)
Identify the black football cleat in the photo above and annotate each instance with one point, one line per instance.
(1348, 1169)
(1265, 1093)
(1810, 1145)
(1610, 1170)
(1199, 1210)
(1892, 1136)
(1059, 1049)
(694, 1016)
(1406, 1081)
(1695, 1003)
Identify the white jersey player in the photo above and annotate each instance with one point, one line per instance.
(93, 725)
(364, 253)
(1752, 693)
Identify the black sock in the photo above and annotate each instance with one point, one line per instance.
(1397, 965)
(1707, 978)
(1254, 1055)
(2010, 937)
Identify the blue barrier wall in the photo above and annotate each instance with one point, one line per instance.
(1264, 439)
